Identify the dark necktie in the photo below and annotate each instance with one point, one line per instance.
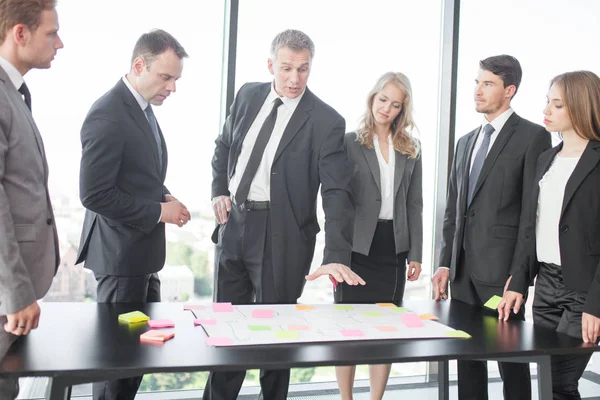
(24, 90)
(478, 162)
(257, 153)
(154, 128)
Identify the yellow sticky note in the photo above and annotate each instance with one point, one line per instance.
(386, 304)
(493, 302)
(133, 317)
(458, 334)
(426, 317)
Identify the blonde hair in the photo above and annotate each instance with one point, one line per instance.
(402, 126)
(581, 95)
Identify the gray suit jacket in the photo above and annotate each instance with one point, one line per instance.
(28, 241)
(408, 200)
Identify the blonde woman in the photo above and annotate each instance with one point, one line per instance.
(388, 227)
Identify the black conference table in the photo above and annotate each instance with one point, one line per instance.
(83, 342)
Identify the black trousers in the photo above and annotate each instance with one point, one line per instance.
(559, 308)
(124, 289)
(472, 374)
(383, 270)
(245, 276)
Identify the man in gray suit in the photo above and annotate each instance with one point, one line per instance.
(29, 253)
(492, 177)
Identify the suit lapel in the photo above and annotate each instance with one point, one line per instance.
(255, 103)
(138, 115)
(371, 158)
(588, 161)
(399, 170)
(507, 131)
(299, 117)
(165, 156)
(466, 165)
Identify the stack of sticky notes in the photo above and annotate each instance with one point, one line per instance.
(156, 336)
(161, 323)
(133, 317)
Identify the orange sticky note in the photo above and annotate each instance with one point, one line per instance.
(156, 336)
(303, 307)
(386, 304)
(426, 317)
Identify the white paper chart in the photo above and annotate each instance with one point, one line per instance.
(228, 325)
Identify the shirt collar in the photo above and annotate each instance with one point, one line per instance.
(289, 103)
(15, 76)
(138, 97)
(498, 122)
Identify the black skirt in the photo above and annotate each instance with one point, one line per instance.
(383, 270)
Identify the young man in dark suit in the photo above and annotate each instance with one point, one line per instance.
(278, 146)
(29, 251)
(123, 168)
(489, 185)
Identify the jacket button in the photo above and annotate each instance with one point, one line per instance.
(564, 228)
(49, 221)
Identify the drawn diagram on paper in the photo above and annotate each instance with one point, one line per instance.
(228, 325)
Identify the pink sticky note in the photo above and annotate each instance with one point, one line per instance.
(386, 328)
(218, 341)
(262, 313)
(205, 321)
(161, 323)
(411, 320)
(352, 332)
(222, 307)
(193, 307)
(298, 327)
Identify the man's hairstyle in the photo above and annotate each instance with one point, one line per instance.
(581, 97)
(154, 43)
(293, 39)
(26, 12)
(506, 67)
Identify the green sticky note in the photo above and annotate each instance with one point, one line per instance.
(343, 307)
(286, 334)
(398, 309)
(458, 334)
(133, 317)
(372, 314)
(256, 328)
(493, 302)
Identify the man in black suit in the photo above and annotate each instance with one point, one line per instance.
(123, 168)
(278, 145)
(489, 184)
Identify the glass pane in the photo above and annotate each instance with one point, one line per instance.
(99, 39)
(355, 44)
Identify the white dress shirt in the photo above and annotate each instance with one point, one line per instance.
(386, 173)
(550, 200)
(497, 123)
(15, 76)
(260, 189)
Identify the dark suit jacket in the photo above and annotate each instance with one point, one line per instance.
(578, 229)
(310, 154)
(121, 185)
(408, 199)
(488, 230)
